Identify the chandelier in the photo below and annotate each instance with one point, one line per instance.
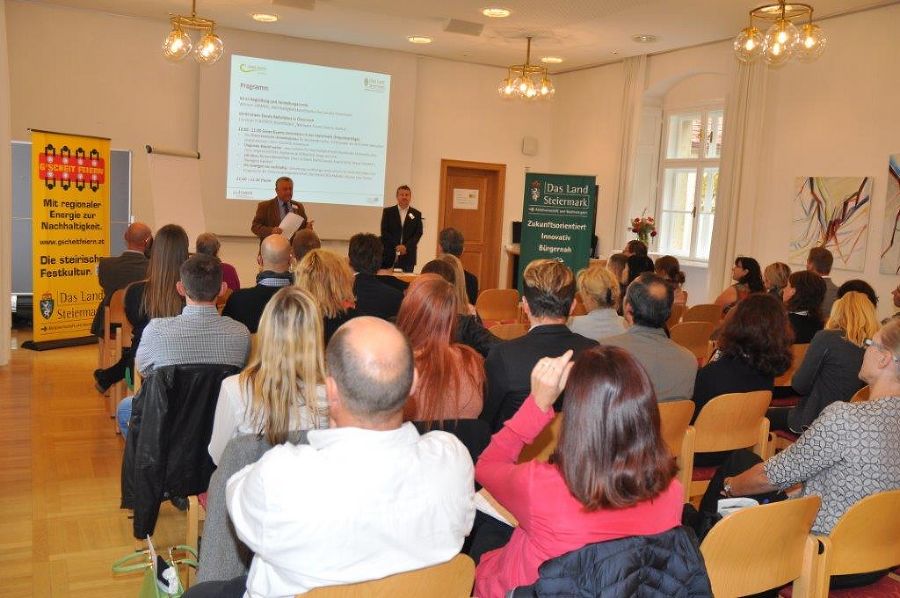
(527, 81)
(783, 39)
(178, 43)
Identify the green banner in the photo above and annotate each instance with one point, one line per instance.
(558, 219)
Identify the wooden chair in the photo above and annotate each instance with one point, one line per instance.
(675, 316)
(452, 579)
(509, 331)
(799, 352)
(406, 277)
(705, 312)
(545, 443)
(693, 336)
(678, 434)
(222, 299)
(196, 514)
(116, 318)
(865, 539)
(764, 547)
(862, 395)
(498, 305)
(579, 310)
(730, 422)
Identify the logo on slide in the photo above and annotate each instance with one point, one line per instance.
(373, 84)
(252, 68)
(47, 305)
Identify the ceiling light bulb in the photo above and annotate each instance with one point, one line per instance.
(748, 44)
(264, 17)
(419, 39)
(812, 43)
(496, 12)
(210, 49)
(177, 44)
(779, 42)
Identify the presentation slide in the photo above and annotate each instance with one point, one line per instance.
(324, 127)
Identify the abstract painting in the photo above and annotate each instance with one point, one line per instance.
(832, 212)
(890, 235)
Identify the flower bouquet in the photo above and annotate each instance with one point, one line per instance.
(644, 227)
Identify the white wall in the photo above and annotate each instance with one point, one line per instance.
(5, 194)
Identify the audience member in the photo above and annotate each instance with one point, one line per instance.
(451, 241)
(775, 278)
(549, 293)
(208, 244)
(828, 372)
(599, 292)
(197, 335)
(610, 477)
(469, 328)
(118, 272)
(754, 346)
(748, 279)
(634, 267)
(616, 264)
(451, 375)
(459, 283)
(283, 386)
(820, 261)
(672, 368)
(418, 490)
(304, 241)
(327, 277)
(373, 298)
(668, 267)
(860, 286)
(155, 297)
(274, 259)
(635, 247)
(803, 299)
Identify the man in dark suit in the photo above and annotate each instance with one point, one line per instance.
(820, 261)
(271, 212)
(373, 297)
(549, 289)
(246, 305)
(118, 272)
(401, 229)
(451, 241)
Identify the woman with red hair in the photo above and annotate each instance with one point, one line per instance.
(451, 375)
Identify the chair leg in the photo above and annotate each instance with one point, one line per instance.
(193, 534)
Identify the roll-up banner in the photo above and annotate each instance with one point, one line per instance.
(70, 233)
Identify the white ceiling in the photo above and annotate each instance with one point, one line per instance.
(583, 32)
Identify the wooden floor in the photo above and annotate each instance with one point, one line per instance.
(60, 522)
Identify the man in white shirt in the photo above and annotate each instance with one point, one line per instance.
(365, 499)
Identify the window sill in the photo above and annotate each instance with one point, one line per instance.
(683, 261)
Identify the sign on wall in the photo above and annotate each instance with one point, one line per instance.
(557, 219)
(70, 231)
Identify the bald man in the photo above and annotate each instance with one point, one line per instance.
(671, 368)
(364, 499)
(118, 272)
(274, 259)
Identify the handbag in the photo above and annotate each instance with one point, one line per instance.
(156, 585)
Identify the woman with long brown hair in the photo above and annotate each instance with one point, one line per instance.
(451, 375)
(610, 477)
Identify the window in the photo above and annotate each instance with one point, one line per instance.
(689, 180)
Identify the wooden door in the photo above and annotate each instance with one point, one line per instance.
(472, 203)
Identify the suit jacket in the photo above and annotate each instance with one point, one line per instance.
(117, 273)
(246, 305)
(268, 216)
(392, 231)
(831, 291)
(471, 287)
(509, 364)
(374, 298)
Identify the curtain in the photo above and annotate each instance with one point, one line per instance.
(5, 193)
(632, 99)
(739, 172)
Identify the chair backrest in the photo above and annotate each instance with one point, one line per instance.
(867, 537)
(675, 316)
(579, 309)
(452, 579)
(798, 352)
(733, 421)
(862, 395)
(508, 331)
(678, 434)
(705, 312)
(498, 304)
(693, 336)
(115, 317)
(759, 548)
(545, 443)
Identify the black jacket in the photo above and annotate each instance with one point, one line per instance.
(374, 298)
(166, 453)
(246, 305)
(471, 331)
(666, 565)
(117, 273)
(391, 232)
(471, 286)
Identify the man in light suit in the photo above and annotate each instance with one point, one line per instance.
(271, 212)
(401, 229)
(120, 271)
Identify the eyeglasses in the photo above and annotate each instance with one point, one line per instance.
(873, 343)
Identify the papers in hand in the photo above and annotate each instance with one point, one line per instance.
(289, 224)
(488, 505)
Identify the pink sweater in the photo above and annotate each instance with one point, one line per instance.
(551, 521)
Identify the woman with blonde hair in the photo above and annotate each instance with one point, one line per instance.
(451, 375)
(829, 371)
(459, 283)
(327, 277)
(775, 278)
(283, 387)
(599, 292)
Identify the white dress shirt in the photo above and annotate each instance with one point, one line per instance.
(351, 506)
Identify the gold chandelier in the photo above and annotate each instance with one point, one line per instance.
(178, 43)
(527, 81)
(783, 39)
